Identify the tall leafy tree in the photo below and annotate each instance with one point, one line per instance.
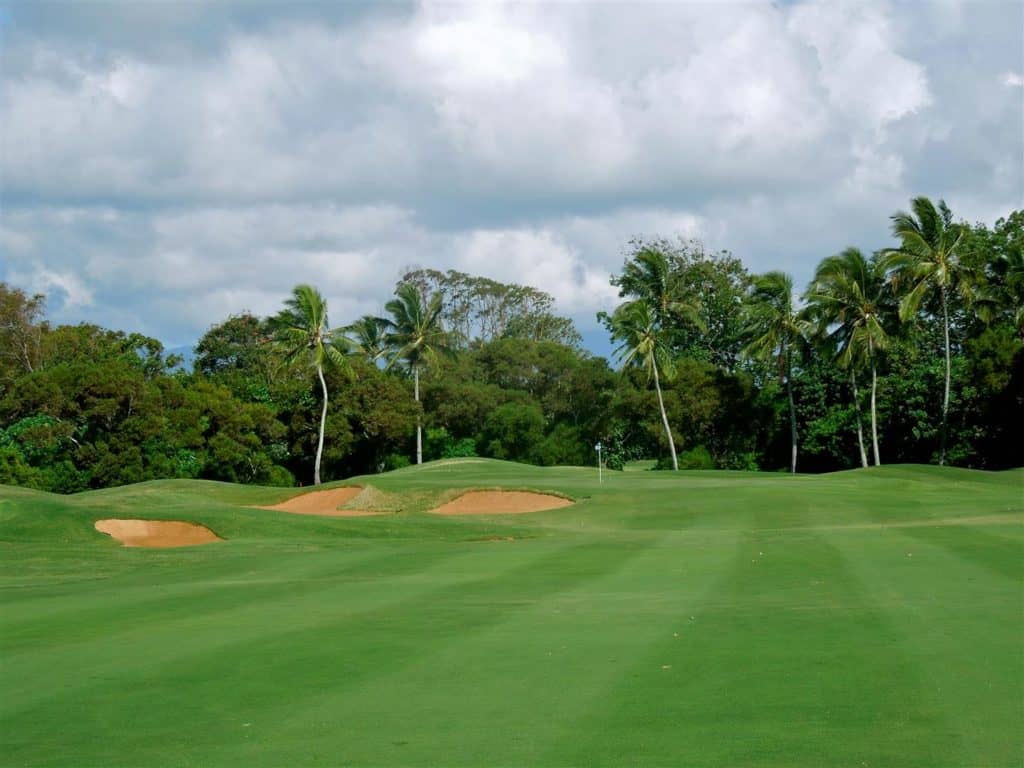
(237, 353)
(302, 332)
(848, 298)
(1008, 284)
(21, 330)
(998, 254)
(928, 265)
(636, 326)
(417, 338)
(478, 310)
(774, 331)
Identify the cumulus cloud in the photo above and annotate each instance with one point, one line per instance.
(66, 288)
(165, 165)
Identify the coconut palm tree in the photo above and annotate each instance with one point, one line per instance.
(774, 329)
(848, 298)
(368, 335)
(927, 264)
(649, 277)
(302, 332)
(642, 345)
(819, 334)
(416, 336)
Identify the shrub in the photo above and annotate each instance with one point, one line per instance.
(696, 458)
(279, 477)
(395, 461)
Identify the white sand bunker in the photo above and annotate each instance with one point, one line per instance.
(501, 503)
(157, 533)
(323, 503)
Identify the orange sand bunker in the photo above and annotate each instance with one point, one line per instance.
(501, 503)
(323, 503)
(157, 533)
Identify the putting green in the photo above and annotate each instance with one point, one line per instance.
(696, 618)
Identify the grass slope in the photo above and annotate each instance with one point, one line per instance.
(700, 619)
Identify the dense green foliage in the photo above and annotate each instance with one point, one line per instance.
(478, 310)
(912, 354)
(668, 619)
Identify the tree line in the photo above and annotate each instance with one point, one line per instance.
(914, 352)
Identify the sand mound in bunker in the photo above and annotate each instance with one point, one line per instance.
(324, 503)
(157, 533)
(501, 503)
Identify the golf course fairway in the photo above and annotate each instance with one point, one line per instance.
(866, 618)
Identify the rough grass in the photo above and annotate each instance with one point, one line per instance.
(698, 618)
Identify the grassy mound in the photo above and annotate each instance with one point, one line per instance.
(699, 618)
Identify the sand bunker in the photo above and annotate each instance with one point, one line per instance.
(157, 533)
(324, 503)
(501, 503)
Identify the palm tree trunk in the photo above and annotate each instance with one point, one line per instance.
(419, 421)
(664, 420)
(945, 397)
(323, 423)
(874, 411)
(792, 410)
(860, 427)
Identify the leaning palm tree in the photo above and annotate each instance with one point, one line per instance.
(417, 338)
(928, 264)
(642, 345)
(369, 335)
(650, 277)
(302, 332)
(774, 329)
(820, 334)
(848, 299)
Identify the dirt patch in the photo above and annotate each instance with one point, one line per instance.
(157, 533)
(452, 462)
(491, 539)
(501, 503)
(324, 503)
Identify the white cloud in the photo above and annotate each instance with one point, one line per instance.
(539, 258)
(161, 185)
(866, 79)
(66, 287)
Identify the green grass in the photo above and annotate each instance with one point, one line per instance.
(698, 619)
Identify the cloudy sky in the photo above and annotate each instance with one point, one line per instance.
(165, 164)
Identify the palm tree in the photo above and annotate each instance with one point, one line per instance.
(301, 330)
(368, 335)
(819, 333)
(849, 295)
(417, 337)
(649, 277)
(928, 263)
(774, 329)
(634, 324)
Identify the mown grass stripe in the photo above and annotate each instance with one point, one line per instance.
(504, 692)
(157, 635)
(778, 666)
(184, 670)
(977, 677)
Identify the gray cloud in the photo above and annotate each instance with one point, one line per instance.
(165, 164)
